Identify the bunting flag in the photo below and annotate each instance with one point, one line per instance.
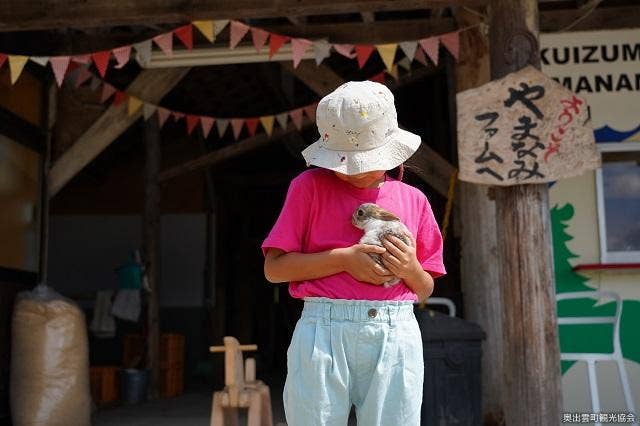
(259, 37)
(144, 50)
(363, 52)
(134, 105)
(431, 46)
(275, 43)
(177, 115)
(282, 119)
(165, 43)
(59, 64)
(379, 78)
(83, 75)
(206, 123)
(267, 124)
(163, 115)
(206, 29)
(387, 53)
(16, 65)
(298, 47)
(3, 58)
(192, 122)
(107, 91)
(238, 31)
(310, 111)
(122, 55)
(221, 125)
(345, 50)
(421, 58)
(393, 72)
(119, 98)
(296, 117)
(148, 110)
(101, 60)
(252, 125)
(405, 63)
(185, 35)
(219, 25)
(40, 60)
(236, 124)
(409, 48)
(321, 50)
(452, 42)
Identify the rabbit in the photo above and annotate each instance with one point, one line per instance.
(378, 223)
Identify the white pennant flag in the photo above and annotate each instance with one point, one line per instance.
(144, 51)
(321, 50)
(40, 60)
(222, 124)
(282, 119)
(218, 25)
(148, 110)
(409, 48)
(405, 63)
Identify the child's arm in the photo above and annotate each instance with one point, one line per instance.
(281, 266)
(402, 261)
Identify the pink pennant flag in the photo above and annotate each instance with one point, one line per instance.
(3, 58)
(296, 117)
(82, 59)
(237, 32)
(363, 52)
(101, 59)
(298, 47)
(236, 124)
(83, 75)
(185, 35)
(310, 111)
(430, 46)
(59, 64)
(177, 115)
(163, 114)
(192, 122)
(419, 56)
(165, 43)
(107, 91)
(206, 123)
(122, 55)
(252, 125)
(452, 42)
(345, 50)
(275, 43)
(119, 98)
(379, 78)
(259, 37)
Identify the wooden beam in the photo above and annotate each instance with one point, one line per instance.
(150, 85)
(532, 377)
(20, 15)
(429, 166)
(319, 78)
(600, 19)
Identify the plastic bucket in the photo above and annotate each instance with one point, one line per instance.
(133, 385)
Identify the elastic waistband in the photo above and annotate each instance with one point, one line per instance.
(358, 310)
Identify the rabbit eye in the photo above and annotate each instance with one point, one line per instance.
(360, 212)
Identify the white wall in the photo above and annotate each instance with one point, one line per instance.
(84, 250)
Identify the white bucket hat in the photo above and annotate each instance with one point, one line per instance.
(359, 131)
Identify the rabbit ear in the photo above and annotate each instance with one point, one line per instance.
(382, 214)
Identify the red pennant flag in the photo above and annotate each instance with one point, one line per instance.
(259, 37)
(236, 124)
(419, 56)
(379, 78)
(296, 117)
(83, 75)
(206, 123)
(165, 43)
(119, 98)
(363, 52)
(192, 122)
(275, 43)
(431, 46)
(107, 91)
(310, 111)
(299, 46)
(452, 42)
(59, 64)
(122, 55)
(237, 31)
(3, 58)
(163, 114)
(185, 35)
(177, 115)
(252, 125)
(101, 59)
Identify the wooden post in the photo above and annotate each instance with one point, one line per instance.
(151, 245)
(477, 222)
(532, 387)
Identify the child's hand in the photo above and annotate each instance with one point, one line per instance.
(400, 259)
(362, 267)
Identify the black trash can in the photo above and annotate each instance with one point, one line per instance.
(452, 354)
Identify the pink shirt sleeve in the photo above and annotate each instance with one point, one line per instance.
(429, 243)
(289, 230)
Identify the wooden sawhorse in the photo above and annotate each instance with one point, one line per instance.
(241, 389)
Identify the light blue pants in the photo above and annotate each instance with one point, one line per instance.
(354, 352)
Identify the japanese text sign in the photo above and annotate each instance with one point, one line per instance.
(523, 128)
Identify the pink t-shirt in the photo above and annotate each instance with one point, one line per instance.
(316, 216)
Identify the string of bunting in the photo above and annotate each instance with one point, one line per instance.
(238, 30)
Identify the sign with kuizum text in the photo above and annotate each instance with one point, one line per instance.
(523, 128)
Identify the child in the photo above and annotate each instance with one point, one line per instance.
(357, 342)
